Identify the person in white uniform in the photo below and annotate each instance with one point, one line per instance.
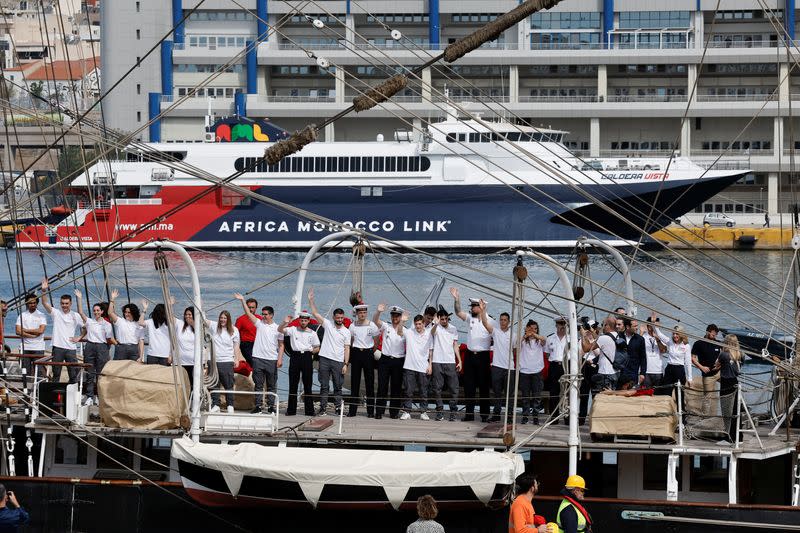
(446, 365)
(129, 333)
(477, 372)
(418, 366)
(67, 331)
(390, 365)
(555, 348)
(267, 353)
(30, 328)
(502, 368)
(334, 355)
(362, 360)
(98, 336)
(304, 343)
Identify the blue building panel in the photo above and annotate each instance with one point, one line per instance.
(166, 67)
(179, 35)
(154, 109)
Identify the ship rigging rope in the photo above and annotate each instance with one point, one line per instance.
(355, 49)
(733, 288)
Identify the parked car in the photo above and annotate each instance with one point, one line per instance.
(718, 219)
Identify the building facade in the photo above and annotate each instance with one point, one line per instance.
(624, 77)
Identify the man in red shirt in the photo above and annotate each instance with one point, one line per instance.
(247, 331)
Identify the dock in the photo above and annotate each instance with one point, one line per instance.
(735, 238)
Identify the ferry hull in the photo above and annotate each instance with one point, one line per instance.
(436, 216)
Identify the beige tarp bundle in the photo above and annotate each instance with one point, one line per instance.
(241, 402)
(639, 416)
(137, 396)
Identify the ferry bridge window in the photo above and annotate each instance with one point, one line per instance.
(344, 164)
(355, 164)
(319, 164)
(709, 474)
(332, 164)
(366, 164)
(297, 164)
(378, 164)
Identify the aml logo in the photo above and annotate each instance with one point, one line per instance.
(240, 132)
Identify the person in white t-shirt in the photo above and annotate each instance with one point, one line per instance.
(531, 365)
(446, 364)
(156, 330)
(98, 336)
(129, 333)
(362, 360)
(418, 365)
(30, 328)
(185, 335)
(604, 349)
(477, 372)
(225, 337)
(334, 355)
(503, 345)
(67, 331)
(304, 343)
(267, 353)
(390, 365)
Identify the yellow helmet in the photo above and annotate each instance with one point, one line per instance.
(575, 482)
(552, 527)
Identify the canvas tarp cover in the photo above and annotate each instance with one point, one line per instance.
(639, 416)
(312, 469)
(137, 396)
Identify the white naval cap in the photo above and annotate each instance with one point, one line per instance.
(360, 307)
(396, 310)
(474, 301)
(304, 314)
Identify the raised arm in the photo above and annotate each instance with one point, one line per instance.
(313, 305)
(247, 312)
(46, 296)
(457, 304)
(485, 318)
(79, 298)
(377, 316)
(283, 325)
(112, 313)
(145, 305)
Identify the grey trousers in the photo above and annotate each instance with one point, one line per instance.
(445, 375)
(95, 354)
(413, 380)
(530, 388)
(330, 370)
(62, 355)
(265, 371)
(225, 371)
(499, 380)
(652, 380)
(126, 352)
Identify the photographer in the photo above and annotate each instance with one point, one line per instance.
(12, 515)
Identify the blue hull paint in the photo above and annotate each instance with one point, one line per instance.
(461, 216)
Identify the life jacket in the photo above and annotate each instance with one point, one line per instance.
(584, 520)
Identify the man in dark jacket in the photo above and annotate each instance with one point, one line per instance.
(636, 363)
(572, 516)
(12, 515)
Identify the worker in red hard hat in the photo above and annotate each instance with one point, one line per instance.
(572, 516)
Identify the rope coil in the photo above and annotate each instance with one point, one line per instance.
(381, 93)
(492, 31)
(275, 153)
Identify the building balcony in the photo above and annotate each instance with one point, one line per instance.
(740, 97)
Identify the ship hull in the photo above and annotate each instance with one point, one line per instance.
(431, 217)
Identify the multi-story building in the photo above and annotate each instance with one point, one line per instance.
(622, 76)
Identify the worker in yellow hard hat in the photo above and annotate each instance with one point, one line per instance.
(572, 516)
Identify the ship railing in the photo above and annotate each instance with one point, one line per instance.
(238, 422)
(743, 40)
(97, 204)
(558, 98)
(731, 152)
(138, 201)
(725, 164)
(297, 99)
(615, 98)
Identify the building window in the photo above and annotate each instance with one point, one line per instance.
(138, 6)
(473, 18)
(138, 116)
(138, 35)
(654, 19)
(138, 88)
(221, 15)
(583, 20)
(405, 18)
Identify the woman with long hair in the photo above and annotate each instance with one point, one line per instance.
(157, 332)
(679, 357)
(98, 335)
(225, 337)
(531, 364)
(129, 333)
(184, 332)
(729, 366)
